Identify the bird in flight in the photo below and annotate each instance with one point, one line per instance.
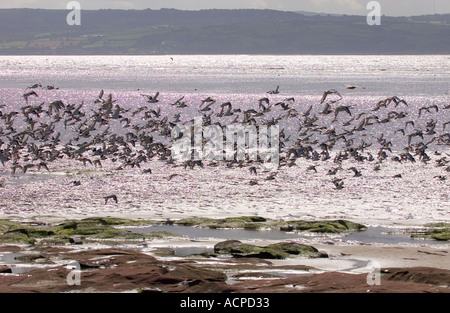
(152, 99)
(329, 92)
(355, 171)
(28, 94)
(34, 86)
(113, 197)
(338, 183)
(274, 92)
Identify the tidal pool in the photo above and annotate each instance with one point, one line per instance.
(372, 235)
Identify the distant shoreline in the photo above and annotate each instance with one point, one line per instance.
(172, 32)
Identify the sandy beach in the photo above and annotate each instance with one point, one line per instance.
(171, 263)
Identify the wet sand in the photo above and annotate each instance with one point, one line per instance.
(130, 270)
(172, 265)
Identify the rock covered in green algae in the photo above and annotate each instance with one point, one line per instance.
(257, 223)
(337, 226)
(243, 222)
(90, 228)
(226, 246)
(104, 228)
(280, 250)
(298, 249)
(6, 225)
(107, 228)
(436, 231)
(17, 233)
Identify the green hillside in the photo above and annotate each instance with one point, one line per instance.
(168, 31)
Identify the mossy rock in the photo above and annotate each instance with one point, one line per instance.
(103, 228)
(436, 231)
(23, 234)
(293, 248)
(100, 232)
(242, 222)
(251, 251)
(257, 223)
(443, 235)
(91, 228)
(16, 238)
(275, 251)
(33, 232)
(298, 249)
(269, 253)
(226, 246)
(6, 225)
(245, 249)
(112, 221)
(335, 226)
(194, 221)
(440, 233)
(105, 221)
(242, 219)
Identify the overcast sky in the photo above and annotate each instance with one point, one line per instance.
(389, 7)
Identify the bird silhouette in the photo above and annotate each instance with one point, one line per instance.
(112, 197)
(330, 92)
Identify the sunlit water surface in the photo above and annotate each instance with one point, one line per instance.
(296, 193)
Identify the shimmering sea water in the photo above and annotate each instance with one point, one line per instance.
(215, 191)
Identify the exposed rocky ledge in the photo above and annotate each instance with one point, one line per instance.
(122, 270)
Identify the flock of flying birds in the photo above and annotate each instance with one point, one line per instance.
(39, 133)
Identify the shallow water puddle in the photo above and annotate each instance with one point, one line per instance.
(384, 235)
(266, 274)
(12, 260)
(373, 235)
(228, 234)
(185, 251)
